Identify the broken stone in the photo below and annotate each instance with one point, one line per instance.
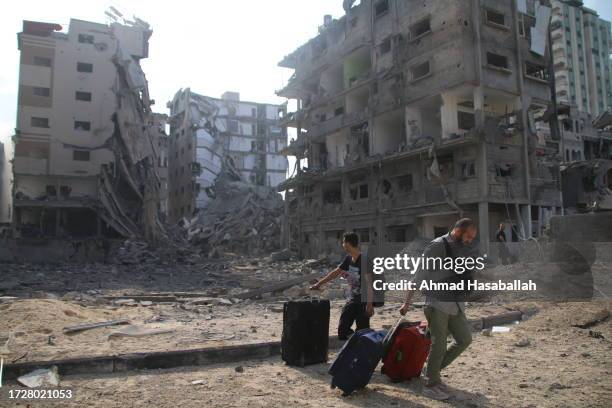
(145, 303)
(198, 382)
(125, 302)
(524, 342)
(283, 255)
(558, 386)
(239, 369)
(40, 377)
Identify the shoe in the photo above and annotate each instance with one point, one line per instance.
(435, 392)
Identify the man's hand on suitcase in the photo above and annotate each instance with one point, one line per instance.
(404, 309)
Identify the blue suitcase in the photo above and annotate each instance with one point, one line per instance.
(357, 360)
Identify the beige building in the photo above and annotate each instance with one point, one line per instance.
(84, 159)
(411, 114)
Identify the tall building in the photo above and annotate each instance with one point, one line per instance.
(84, 159)
(207, 132)
(160, 121)
(581, 43)
(411, 114)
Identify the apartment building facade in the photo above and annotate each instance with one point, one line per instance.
(411, 114)
(207, 133)
(83, 156)
(581, 44)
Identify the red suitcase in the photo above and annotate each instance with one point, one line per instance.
(407, 352)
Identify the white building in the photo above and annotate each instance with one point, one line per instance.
(205, 131)
(581, 44)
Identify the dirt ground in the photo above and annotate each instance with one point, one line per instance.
(35, 326)
(562, 366)
(545, 361)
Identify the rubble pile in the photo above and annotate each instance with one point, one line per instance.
(239, 217)
(135, 252)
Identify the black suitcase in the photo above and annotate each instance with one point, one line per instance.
(305, 338)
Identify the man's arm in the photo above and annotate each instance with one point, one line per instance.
(435, 249)
(330, 276)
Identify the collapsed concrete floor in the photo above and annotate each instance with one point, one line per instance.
(561, 366)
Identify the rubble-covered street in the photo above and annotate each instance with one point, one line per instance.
(542, 362)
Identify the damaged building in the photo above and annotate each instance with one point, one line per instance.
(208, 133)
(587, 185)
(85, 151)
(411, 114)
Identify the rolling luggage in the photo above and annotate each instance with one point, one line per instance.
(406, 350)
(357, 360)
(305, 337)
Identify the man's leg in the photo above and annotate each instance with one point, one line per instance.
(459, 328)
(362, 319)
(437, 323)
(347, 317)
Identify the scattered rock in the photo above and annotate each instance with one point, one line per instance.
(40, 377)
(558, 386)
(282, 255)
(239, 369)
(524, 342)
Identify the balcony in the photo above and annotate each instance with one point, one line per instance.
(30, 165)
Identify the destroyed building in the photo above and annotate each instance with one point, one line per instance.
(581, 44)
(207, 133)
(582, 138)
(587, 185)
(411, 114)
(84, 151)
(160, 122)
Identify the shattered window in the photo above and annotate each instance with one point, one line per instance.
(84, 67)
(536, 71)
(495, 18)
(385, 46)
(466, 120)
(381, 7)
(80, 155)
(82, 125)
(39, 122)
(468, 169)
(496, 60)
(40, 91)
(420, 71)
(421, 28)
(82, 96)
(405, 183)
(86, 38)
(42, 61)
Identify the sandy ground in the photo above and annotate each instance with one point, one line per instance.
(562, 366)
(35, 326)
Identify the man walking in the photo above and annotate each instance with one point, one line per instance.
(504, 252)
(443, 315)
(355, 310)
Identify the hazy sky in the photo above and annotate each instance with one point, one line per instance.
(211, 46)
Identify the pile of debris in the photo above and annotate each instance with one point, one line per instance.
(240, 216)
(135, 252)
